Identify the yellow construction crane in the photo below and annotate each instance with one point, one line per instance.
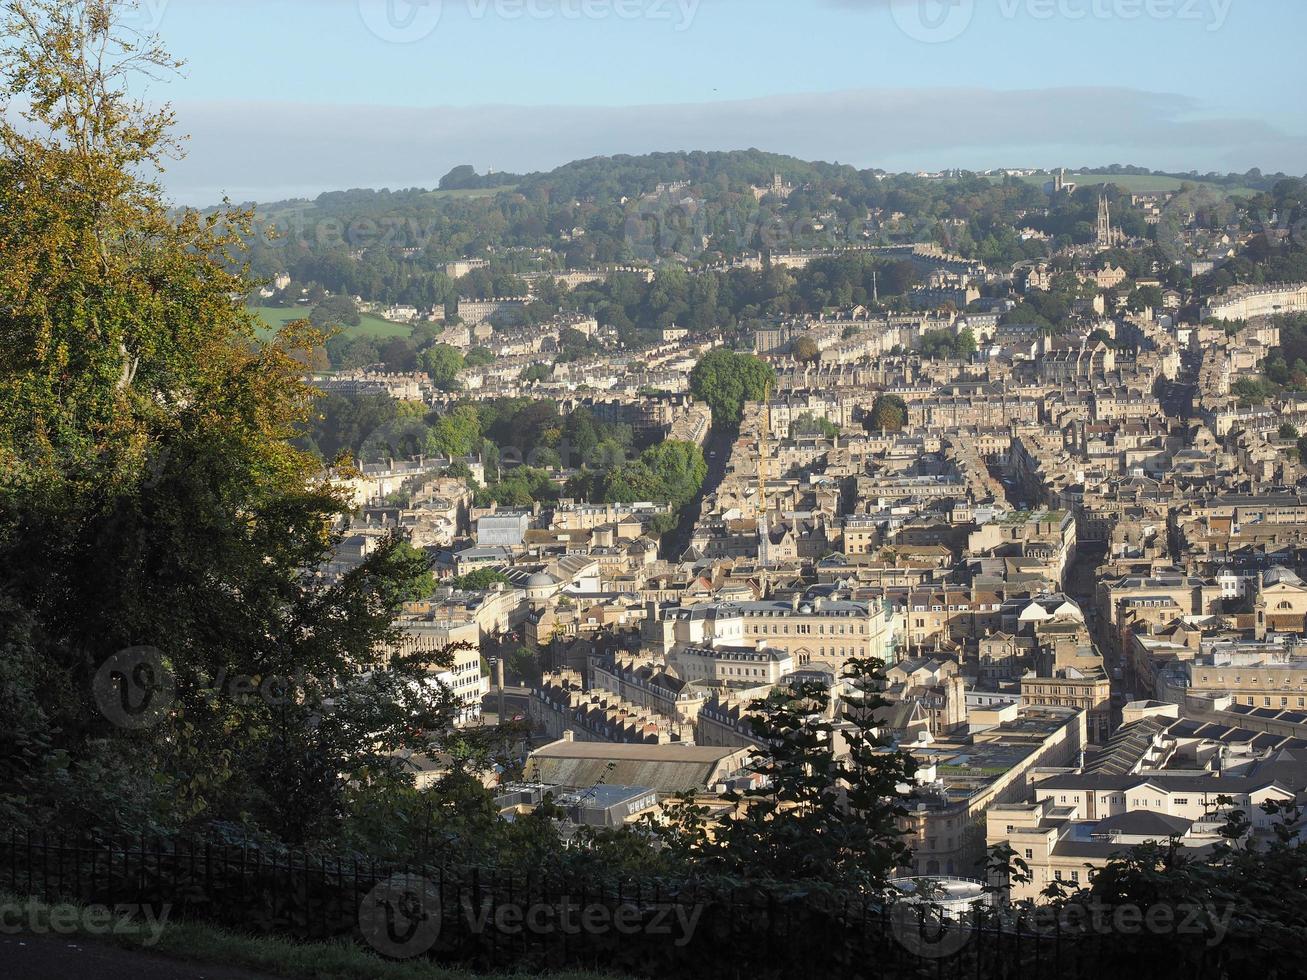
(763, 447)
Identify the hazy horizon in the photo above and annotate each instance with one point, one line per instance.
(326, 94)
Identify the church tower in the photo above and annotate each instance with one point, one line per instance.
(1107, 237)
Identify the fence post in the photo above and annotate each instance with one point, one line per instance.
(354, 894)
(340, 894)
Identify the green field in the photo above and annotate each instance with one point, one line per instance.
(1132, 183)
(472, 192)
(274, 317)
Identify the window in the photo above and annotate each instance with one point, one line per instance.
(1075, 876)
(1030, 854)
(1182, 801)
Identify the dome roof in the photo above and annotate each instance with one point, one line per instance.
(541, 580)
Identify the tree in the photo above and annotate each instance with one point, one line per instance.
(457, 433)
(815, 816)
(670, 472)
(572, 344)
(943, 344)
(359, 352)
(725, 380)
(1245, 880)
(399, 355)
(150, 495)
(1288, 431)
(442, 364)
(482, 580)
(478, 356)
(889, 413)
(1144, 297)
(335, 311)
(806, 351)
(808, 425)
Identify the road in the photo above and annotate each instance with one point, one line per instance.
(1177, 397)
(717, 452)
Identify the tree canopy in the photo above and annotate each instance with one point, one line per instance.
(724, 380)
(150, 496)
(889, 413)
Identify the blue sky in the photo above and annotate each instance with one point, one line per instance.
(286, 97)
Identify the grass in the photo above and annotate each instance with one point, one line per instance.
(1132, 183)
(336, 960)
(473, 192)
(274, 317)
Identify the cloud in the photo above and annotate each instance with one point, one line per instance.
(270, 150)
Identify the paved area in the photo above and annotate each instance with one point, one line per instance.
(25, 957)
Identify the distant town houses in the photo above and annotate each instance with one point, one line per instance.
(1078, 549)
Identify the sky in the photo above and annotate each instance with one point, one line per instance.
(287, 98)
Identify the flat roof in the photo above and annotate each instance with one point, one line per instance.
(665, 752)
